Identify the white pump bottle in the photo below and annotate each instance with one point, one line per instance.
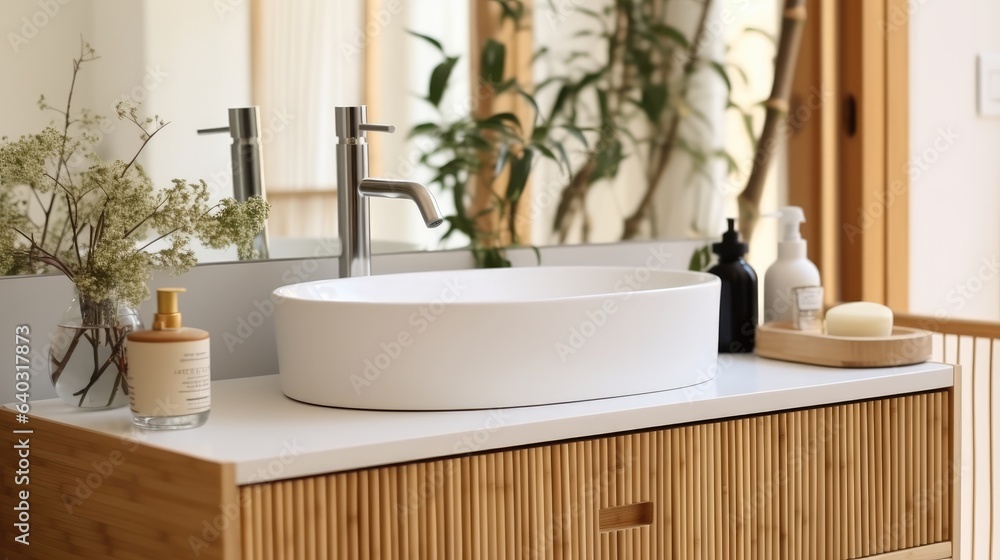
(792, 269)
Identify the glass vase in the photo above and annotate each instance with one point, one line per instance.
(87, 360)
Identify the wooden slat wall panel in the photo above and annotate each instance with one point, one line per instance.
(978, 352)
(838, 482)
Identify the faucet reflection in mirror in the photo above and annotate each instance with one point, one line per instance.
(354, 187)
(248, 175)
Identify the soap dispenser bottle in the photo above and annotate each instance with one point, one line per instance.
(169, 373)
(738, 304)
(792, 276)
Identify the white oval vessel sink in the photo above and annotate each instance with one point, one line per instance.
(464, 339)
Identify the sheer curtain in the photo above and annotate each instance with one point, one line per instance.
(310, 56)
(307, 59)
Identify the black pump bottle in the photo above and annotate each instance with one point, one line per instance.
(738, 305)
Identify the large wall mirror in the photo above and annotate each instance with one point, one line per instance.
(682, 150)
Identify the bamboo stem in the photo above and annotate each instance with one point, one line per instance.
(792, 24)
(635, 220)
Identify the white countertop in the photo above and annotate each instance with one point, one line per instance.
(268, 436)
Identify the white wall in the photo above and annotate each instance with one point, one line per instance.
(186, 60)
(955, 161)
(35, 56)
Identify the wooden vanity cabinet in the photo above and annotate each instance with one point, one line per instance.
(846, 481)
(871, 479)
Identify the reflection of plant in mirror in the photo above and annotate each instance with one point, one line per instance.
(62, 208)
(628, 95)
(639, 79)
(473, 154)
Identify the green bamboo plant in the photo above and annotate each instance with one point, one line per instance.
(471, 153)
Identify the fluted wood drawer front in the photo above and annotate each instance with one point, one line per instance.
(839, 482)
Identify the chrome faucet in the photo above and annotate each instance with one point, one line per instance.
(248, 177)
(354, 187)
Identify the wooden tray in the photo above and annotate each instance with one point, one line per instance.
(903, 347)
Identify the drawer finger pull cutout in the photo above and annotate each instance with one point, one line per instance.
(626, 517)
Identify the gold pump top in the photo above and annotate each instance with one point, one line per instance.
(168, 315)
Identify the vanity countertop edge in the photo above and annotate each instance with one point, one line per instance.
(267, 436)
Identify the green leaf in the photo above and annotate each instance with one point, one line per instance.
(607, 161)
(672, 33)
(643, 61)
(548, 81)
(747, 119)
(565, 93)
(546, 151)
(434, 42)
(696, 154)
(565, 156)
(520, 168)
(452, 228)
(499, 126)
(458, 198)
(759, 31)
(512, 9)
(591, 13)
(427, 128)
(538, 254)
(539, 54)
(575, 55)
(748, 125)
(603, 107)
(439, 80)
(653, 101)
(530, 99)
(721, 71)
(577, 133)
(477, 142)
(700, 259)
(624, 130)
(731, 165)
(539, 134)
(589, 79)
(502, 117)
(504, 86)
(490, 257)
(502, 156)
(492, 62)
(702, 117)
(741, 73)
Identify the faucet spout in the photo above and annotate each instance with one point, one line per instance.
(419, 194)
(355, 187)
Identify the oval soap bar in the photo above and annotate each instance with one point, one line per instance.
(859, 318)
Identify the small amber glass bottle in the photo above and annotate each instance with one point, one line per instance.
(169, 370)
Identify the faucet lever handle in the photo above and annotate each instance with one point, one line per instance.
(371, 127)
